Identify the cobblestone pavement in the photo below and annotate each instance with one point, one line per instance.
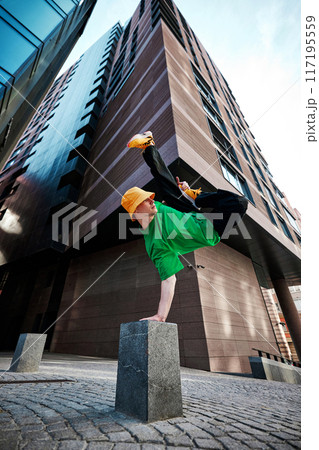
(41, 411)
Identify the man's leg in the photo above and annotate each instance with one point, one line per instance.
(167, 183)
(224, 202)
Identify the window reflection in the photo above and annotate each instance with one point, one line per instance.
(42, 23)
(10, 223)
(17, 49)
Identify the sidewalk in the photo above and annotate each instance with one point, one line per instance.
(69, 404)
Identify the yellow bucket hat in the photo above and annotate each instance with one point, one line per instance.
(134, 197)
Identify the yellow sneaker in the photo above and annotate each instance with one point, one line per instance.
(142, 140)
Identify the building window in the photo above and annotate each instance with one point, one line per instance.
(164, 10)
(266, 169)
(126, 34)
(204, 88)
(260, 172)
(235, 179)
(133, 45)
(222, 143)
(124, 81)
(16, 152)
(213, 115)
(184, 23)
(279, 194)
(232, 124)
(244, 151)
(256, 180)
(142, 8)
(284, 227)
(270, 196)
(243, 135)
(292, 220)
(270, 214)
(9, 164)
(23, 141)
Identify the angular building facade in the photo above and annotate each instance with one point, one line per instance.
(161, 79)
(36, 38)
(45, 170)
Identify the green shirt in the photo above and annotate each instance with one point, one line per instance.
(171, 233)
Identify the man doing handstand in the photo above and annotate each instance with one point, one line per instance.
(176, 227)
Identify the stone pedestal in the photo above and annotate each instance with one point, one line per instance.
(267, 369)
(148, 378)
(28, 353)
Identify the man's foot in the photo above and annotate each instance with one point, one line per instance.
(141, 141)
(156, 318)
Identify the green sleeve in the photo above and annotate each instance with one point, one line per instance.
(168, 264)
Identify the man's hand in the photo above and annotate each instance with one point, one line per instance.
(182, 184)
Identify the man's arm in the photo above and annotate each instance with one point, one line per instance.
(167, 294)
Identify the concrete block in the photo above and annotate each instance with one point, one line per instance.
(269, 369)
(148, 378)
(28, 353)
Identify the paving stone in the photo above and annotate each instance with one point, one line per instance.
(66, 433)
(72, 445)
(257, 445)
(39, 445)
(91, 434)
(281, 446)
(123, 446)
(35, 435)
(231, 444)
(282, 435)
(182, 440)
(9, 444)
(100, 446)
(166, 428)
(120, 436)
(144, 433)
(153, 447)
(193, 431)
(32, 427)
(57, 426)
(208, 443)
(109, 427)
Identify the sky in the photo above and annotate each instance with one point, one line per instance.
(256, 46)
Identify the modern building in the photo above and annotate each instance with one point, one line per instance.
(161, 79)
(36, 38)
(45, 170)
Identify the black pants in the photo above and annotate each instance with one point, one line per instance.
(222, 202)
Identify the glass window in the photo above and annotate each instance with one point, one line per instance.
(284, 227)
(17, 49)
(292, 221)
(16, 152)
(210, 111)
(270, 214)
(9, 164)
(256, 180)
(66, 5)
(270, 196)
(236, 180)
(41, 23)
